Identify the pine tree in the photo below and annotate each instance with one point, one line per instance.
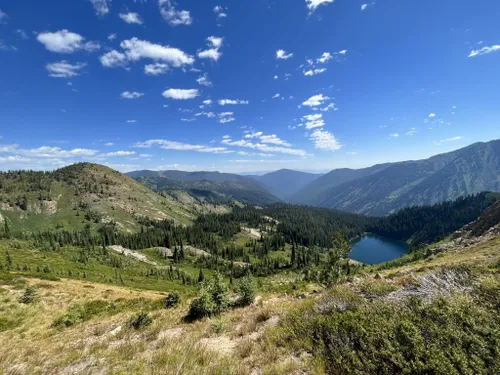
(201, 276)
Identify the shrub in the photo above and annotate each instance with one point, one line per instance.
(29, 296)
(246, 291)
(140, 321)
(213, 298)
(172, 300)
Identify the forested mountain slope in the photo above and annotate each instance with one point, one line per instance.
(215, 187)
(81, 194)
(285, 182)
(443, 177)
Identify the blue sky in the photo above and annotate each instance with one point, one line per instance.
(241, 86)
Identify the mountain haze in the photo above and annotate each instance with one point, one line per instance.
(285, 182)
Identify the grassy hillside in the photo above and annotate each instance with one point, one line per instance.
(436, 313)
(81, 194)
(443, 177)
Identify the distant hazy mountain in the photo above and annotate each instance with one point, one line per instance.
(214, 186)
(382, 189)
(285, 182)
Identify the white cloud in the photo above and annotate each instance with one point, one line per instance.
(22, 34)
(364, 6)
(325, 57)
(215, 41)
(232, 101)
(412, 131)
(249, 135)
(212, 53)
(181, 94)
(155, 69)
(325, 140)
(207, 114)
(394, 135)
(282, 55)
(3, 17)
(101, 6)
(432, 115)
(180, 146)
(328, 107)
(313, 4)
(131, 121)
(207, 102)
(204, 81)
(226, 117)
(131, 18)
(276, 96)
(131, 95)
(120, 153)
(173, 16)
(314, 120)
(112, 36)
(145, 155)
(263, 147)
(484, 50)
(109, 144)
(64, 69)
(315, 100)
(447, 140)
(113, 59)
(275, 77)
(64, 41)
(311, 72)
(220, 12)
(136, 49)
(274, 139)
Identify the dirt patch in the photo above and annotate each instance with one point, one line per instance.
(132, 254)
(197, 252)
(252, 232)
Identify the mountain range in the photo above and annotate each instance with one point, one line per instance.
(378, 190)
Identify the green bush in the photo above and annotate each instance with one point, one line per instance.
(172, 300)
(140, 321)
(213, 298)
(29, 296)
(246, 291)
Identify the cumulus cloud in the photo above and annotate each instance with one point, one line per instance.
(313, 4)
(207, 102)
(484, 51)
(64, 41)
(314, 120)
(204, 81)
(276, 96)
(155, 69)
(131, 95)
(232, 101)
(136, 49)
(324, 140)
(282, 55)
(64, 69)
(131, 18)
(56, 152)
(364, 6)
(315, 100)
(180, 146)
(173, 16)
(181, 94)
(212, 53)
(312, 72)
(113, 59)
(112, 36)
(432, 115)
(325, 57)
(101, 6)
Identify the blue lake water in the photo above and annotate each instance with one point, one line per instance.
(373, 249)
